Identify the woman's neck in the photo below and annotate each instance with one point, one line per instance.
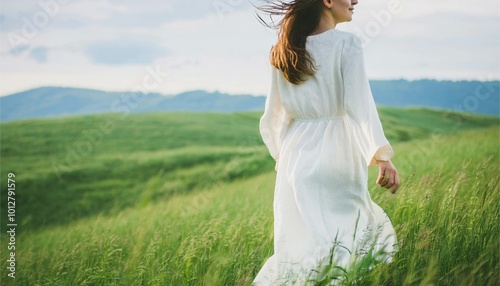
(326, 22)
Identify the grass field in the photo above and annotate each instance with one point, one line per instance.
(186, 199)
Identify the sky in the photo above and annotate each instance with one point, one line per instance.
(172, 46)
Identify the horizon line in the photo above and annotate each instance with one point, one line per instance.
(231, 94)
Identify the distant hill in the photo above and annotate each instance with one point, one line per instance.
(467, 96)
(44, 102)
(47, 102)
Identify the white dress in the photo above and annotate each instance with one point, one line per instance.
(325, 133)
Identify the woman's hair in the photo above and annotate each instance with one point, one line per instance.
(300, 19)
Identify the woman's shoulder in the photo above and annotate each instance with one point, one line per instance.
(336, 35)
(351, 38)
(352, 41)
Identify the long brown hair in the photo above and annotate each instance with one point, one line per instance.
(300, 19)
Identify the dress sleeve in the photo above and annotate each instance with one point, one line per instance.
(275, 121)
(360, 105)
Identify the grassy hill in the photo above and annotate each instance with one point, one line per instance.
(52, 101)
(186, 199)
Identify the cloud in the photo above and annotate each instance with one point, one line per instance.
(219, 45)
(39, 54)
(16, 51)
(116, 13)
(122, 52)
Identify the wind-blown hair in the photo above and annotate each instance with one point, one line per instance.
(300, 19)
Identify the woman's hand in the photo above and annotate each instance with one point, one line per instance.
(388, 176)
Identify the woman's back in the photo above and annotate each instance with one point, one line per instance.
(324, 132)
(321, 95)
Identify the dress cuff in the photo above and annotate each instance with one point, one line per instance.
(384, 153)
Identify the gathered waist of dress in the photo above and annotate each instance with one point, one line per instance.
(324, 118)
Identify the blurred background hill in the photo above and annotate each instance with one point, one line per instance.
(44, 102)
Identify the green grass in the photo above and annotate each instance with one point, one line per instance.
(79, 167)
(186, 199)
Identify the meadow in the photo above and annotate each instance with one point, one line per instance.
(186, 199)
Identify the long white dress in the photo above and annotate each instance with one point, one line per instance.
(324, 133)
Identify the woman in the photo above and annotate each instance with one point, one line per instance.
(321, 126)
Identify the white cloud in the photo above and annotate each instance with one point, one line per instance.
(430, 39)
(219, 44)
(39, 54)
(123, 51)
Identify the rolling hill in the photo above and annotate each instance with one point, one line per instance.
(48, 102)
(186, 199)
(78, 159)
